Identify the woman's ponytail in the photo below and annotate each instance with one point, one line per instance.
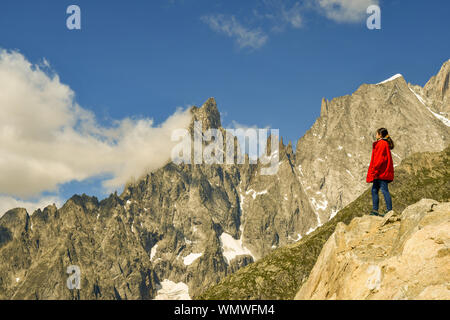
(385, 135)
(390, 141)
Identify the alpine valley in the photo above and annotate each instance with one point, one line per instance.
(229, 232)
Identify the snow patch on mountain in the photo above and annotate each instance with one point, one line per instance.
(348, 171)
(153, 252)
(232, 248)
(172, 291)
(396, 155)
(300, 169)
(398, 75)
(443, 119)
(255, 194)
(440, 117)
(334, 212)
(189, 259)
(319, 204)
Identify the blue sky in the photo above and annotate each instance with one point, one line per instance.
(267, 62)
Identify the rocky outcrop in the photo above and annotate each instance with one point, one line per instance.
(396, 257)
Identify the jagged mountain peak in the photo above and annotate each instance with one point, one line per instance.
(437, 90)
(13, 224)
(324, 108)
(445, 66)
(208, 114)
(442, 75)
(15, 216)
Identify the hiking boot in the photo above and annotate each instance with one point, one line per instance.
(374, 213)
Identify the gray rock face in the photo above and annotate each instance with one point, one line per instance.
(182, 228)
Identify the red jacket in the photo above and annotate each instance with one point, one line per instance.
(381, 165)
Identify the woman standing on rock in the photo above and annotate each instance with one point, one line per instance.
(381, 170)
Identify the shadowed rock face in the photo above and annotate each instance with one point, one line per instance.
(196, 224)
(403, 257)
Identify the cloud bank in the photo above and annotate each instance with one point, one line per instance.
(47, 139)
(274, 16)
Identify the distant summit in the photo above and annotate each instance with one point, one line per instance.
(208, 114)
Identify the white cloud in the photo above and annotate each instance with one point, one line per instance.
(293, 16)
(7, 203)
(47, 139)
(345, 10)
(281, 14)
(228, 25)
(274, 16)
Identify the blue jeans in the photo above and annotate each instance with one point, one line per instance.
(383, 185)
